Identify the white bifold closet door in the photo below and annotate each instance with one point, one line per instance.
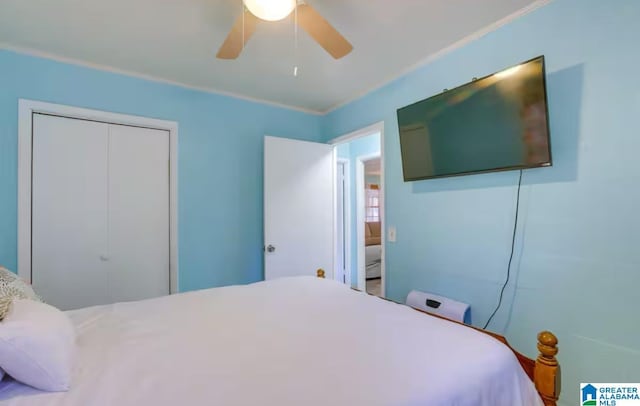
(100, 212)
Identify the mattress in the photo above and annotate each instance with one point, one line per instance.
(293, 341)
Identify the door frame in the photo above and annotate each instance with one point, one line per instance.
(347, 220)
(26, 109)
(363, 132)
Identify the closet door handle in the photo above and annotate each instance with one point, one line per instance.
(104, 258)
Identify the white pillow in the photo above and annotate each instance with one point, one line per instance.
(37, 345)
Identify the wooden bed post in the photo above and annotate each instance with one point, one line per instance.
(320, 273)
(546, 375)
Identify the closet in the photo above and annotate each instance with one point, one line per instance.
(100, 212)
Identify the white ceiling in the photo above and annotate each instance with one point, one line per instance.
(176, 40)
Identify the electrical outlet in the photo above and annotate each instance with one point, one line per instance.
(391, 234)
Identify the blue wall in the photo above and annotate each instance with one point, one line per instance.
(576, 265)
(360, 147)
(374, 179)
(219, 163)
(342, 150)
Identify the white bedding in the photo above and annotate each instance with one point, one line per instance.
(297, 341)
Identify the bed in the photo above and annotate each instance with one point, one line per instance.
(373, 249)
(373, 261)
(292, 341)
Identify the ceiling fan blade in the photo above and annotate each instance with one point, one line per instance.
(320, 30)
(233, 44)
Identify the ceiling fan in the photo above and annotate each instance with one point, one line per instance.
(273, 10)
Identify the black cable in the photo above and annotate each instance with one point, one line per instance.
(513, 244)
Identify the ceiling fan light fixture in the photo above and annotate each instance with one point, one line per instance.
(270, 10)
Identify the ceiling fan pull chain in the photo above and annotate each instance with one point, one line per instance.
(243, 14)
(295, 40)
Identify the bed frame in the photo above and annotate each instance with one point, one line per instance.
(544, 371)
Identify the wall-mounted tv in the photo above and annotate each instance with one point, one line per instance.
(496, 123)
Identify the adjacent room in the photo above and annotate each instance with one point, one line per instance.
(372, 226)
(359, 211)
(317, 202)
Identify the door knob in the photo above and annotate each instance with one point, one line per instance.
(270, 248)
(104, 258)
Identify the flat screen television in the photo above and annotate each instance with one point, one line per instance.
(496, 123)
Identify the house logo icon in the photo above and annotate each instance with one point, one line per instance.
(589, 394)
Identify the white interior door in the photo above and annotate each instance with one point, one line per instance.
(138, 213)
(298, 207)
(100, 212)
(69, 206)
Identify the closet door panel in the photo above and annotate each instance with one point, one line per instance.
(138, 212)
(69, 211)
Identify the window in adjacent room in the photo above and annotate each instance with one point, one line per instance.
(372, 203)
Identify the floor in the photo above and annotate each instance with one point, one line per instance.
(374, 287)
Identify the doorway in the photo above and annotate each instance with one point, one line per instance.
(369, 184)
(360, 209)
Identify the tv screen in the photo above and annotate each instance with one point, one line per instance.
(496, 123)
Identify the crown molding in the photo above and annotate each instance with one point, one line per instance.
(105, 68)
(436, 55)
(430, 58)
